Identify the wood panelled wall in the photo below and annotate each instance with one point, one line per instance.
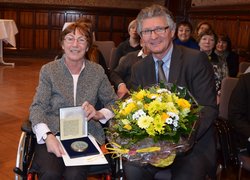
(232, 20)
(39, 26)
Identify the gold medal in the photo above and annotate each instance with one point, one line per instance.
(79, 146)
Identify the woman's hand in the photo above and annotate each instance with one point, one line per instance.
(91, 112)
(54, 146)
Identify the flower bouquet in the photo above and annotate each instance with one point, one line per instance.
(154, 124)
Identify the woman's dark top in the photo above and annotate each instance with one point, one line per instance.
(123, 49)
(232, 62)
(191, 43)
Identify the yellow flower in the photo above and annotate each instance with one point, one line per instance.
(128, 109)
(175, 98)
(171, 108)
(159, 124)
(164, 116)
(183, 103)
(144, 122)
(128, 127)
(155, 107)
(140, 95)
(151, 130)
(152, 96)
(125, 121)
(168, 97)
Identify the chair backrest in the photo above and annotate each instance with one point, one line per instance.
(105, 47)
(112, 58)
(243, 67)
(227, 86)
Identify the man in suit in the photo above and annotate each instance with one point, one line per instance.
(239, 111)
(184, 67)
(120, 76)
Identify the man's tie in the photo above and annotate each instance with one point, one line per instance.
(161, 75)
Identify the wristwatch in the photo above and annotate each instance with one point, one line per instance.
(46, 135)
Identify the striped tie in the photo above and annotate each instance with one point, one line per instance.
(161, 75)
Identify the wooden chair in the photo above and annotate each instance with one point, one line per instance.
(227, 87)
(105, 47)
(112, 58)
(243, 67)
(223, 129)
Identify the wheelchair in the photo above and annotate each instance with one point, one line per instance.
(25, 171)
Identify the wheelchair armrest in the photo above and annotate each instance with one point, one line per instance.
(26, 127)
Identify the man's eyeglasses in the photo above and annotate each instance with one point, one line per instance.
(159, 30)
(71, 40)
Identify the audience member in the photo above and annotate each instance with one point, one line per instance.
(184, 67)
(183, 35)
(69, 81)
(129, 45)
(202, 26)
(228, 59)
(207, 40)
(120, 76)
(239, 111)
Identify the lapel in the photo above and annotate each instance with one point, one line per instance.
(175, 65)
(150, 66)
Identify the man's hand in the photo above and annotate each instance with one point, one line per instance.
(54, 146)
(122, 91)
(91, 111)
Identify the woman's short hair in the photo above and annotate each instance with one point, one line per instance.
(202, 23)
(84, 28)
(184, 23)
(208, 32)
(155, 11)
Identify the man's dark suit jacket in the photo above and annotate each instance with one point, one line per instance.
(122, 73)
(192, 69)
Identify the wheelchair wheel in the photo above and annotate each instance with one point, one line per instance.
(24, 155)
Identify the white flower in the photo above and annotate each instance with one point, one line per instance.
(130, 100)
(173, 116)
(175, 123)
(163, 90)
(138, 114)
(124, 104)
(159, 99)
(139, 103)
(169, 120)
(153, 97)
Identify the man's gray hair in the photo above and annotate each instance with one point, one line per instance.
(155, 11)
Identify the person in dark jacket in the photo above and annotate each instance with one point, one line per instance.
(184, 67)
(129, 45)
(183, 35)
(228, 58)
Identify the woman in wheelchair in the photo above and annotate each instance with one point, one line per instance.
(70, 81)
